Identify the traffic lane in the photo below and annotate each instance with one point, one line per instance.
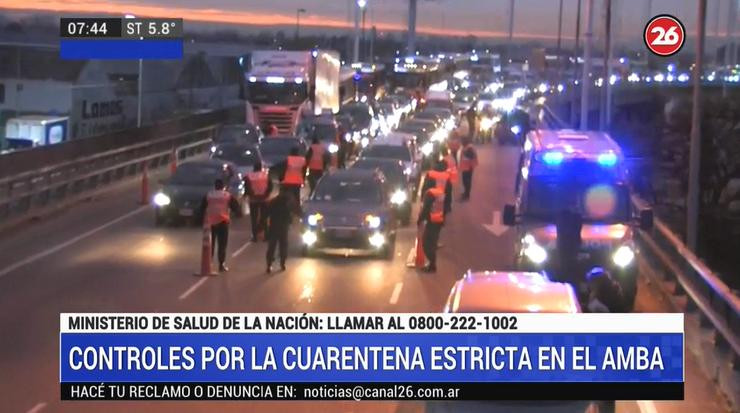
(470, 239)
(130, 266)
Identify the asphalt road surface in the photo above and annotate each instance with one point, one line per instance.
(106, 255)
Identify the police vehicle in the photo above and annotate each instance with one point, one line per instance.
(569, 172)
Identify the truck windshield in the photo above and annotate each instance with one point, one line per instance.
(596, 201)
(288, 93)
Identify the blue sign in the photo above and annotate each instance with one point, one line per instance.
(80, 49)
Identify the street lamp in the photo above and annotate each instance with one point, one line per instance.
(298, 22)
(140, 84)
(361, 4)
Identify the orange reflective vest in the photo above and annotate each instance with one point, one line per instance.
(437, 213)
(294, 170)
(258, 181)
(440, 179)
(316, 163)
(217, 210)
(466, 163)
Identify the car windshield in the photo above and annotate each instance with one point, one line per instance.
(388, 151)
(287, 93)
(241, 155)
(198, 174)
(360, 113)
(233, 134)
(595, 201)
(324, 132)
(393, 172)
(276, 146)
(348, 190)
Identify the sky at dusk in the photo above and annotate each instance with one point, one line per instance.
(535, 19)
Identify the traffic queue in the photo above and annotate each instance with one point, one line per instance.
(352, 179)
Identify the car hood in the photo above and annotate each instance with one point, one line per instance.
(342, 213)
(270, 160)
(186, 195)
(593, 236)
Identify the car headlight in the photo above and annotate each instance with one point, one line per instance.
(314, 219)
(535, 252)
(365, 131)
(623, 256)
(161, 199)
(427, 148)
(347, 137)
(398, 197)
(516, 129)
(364, 141)
(213, 149)
(309, 238)
(373, 221)
(377, 240)
(333, 148)
(486, 124)
(407, 170)
(450, 124)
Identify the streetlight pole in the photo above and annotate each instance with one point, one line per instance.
(575, 65)
(586, 80)
(511, 21)
(411, 41)
(606, 115)
(298, 22)
(359, 5)
(560, 38)
(364, 42)
(692, 207)
(140, 84)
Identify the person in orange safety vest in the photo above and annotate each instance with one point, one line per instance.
(295, 171)
(431, 219)
(258, 188)
(216, 209)
(439, 177)
(317, 158)
(468, 163)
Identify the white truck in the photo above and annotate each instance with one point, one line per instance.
(35, 130)
(284, 86)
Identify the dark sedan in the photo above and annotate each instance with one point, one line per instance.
(181, 194)
(350, 209)
(397, 184)
(243, 156)
(244, 133)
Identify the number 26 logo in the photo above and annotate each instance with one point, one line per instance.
(664, 35)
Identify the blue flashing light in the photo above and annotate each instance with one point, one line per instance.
(357, 77)
(553, 158)
(607, 159)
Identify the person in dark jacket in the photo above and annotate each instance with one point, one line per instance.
(280, 211)
(568, 226)
(605, 293)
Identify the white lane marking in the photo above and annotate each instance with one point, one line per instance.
(69, 242)
(647, 406)
(192, 288)
(241, 249)
(396, 294)
(37, 408)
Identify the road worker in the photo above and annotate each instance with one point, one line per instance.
(430, 222)
(318, 159)
(295, 171)
(216, 210)
(258, 188)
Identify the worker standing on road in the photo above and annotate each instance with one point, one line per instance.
(470, 115)
(215, 209)
(258, 188)
(280, 211)
(605, 295)
(454, 145)
(568, 226)
(451, 163)
(431, 219)
(295, 171)
(272, 130)
(468, 163)
(317, 158)
(439, 177)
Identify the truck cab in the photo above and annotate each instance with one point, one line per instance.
(580, 173)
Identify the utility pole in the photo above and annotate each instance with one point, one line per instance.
(730, 52)
(411, 46)
(560, 38)
(373, 35)
(511, 21)
(298, 23)
(364, 42)
(605, 115)
(575, 65)
(692, 215)
(586, 79)
(359, 5)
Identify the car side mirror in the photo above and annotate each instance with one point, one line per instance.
(509, 215)
(646, 219)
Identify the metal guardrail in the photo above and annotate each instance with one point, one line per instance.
(24, 193)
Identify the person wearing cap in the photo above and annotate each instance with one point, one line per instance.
(216, 208)
(605, 295)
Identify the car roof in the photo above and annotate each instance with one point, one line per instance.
(581, 143)
(397, 139)
(380, 162)
(510, 292)
(214, 163)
